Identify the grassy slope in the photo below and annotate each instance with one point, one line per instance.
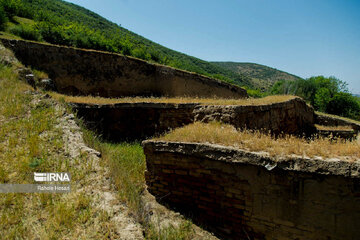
(262, 76)
(31, 142)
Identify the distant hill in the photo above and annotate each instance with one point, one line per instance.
(261, 76)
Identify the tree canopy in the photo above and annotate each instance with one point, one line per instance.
(329, 95)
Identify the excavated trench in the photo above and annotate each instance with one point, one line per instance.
(138, 121)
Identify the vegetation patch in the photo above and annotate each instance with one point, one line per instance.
(179, 100)
(333, 128)
(32, 141)
(255, 141)
(329, 95)
(263, 77)
(126, 162)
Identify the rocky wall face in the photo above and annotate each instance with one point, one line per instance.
(334, 121)
(243, 195)
(86, 72)
(290, 117)
(130, 121)
(134, 121)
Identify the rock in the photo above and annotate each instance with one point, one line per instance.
(47, 84)
(23, 72)
(30, 79)
(27, 75)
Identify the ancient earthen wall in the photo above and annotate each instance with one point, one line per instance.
(134, 121)
(290, 117)
(142, 120)
(243, 195)
(87, 72)
(334, 121)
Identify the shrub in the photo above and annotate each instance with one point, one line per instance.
(26, 32)
(344, 104)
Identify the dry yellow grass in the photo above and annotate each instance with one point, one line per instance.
(333, 128)
(176, 100)
(255, 141)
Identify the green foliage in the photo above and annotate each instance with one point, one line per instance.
(322, 99)
(344, 104)
(255, 93)
(325, 94)
(16, 8)
(3, 18)
(26, 32)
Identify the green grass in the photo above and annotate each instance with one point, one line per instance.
(127, 165)
(182, 232)
(25, 21)
(31, 142)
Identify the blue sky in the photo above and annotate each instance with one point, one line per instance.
(306, 38)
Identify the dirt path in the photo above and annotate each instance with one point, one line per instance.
(98, 184)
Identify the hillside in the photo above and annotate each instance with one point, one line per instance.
(262, 77)
(60, 22)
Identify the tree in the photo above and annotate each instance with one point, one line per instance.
(344, 104)
(3, 18)
(325, 94)
(322, 99)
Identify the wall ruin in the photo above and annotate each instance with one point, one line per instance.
(244, 195)
(131, 121)
(89, 72)
(327, 120)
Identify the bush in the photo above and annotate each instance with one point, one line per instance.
(52, 34)
(26, 32)
(255, 93)
(140, 53)
(344, 104)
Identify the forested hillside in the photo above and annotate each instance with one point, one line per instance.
(59, 22)
(262, 77)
